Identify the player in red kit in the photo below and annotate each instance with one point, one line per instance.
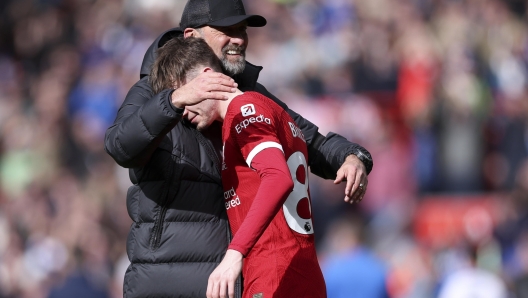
(265, 180)
(265, 177)
(266, 195)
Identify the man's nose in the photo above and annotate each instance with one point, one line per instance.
(238, 39)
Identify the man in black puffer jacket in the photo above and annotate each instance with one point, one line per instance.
(180, 231)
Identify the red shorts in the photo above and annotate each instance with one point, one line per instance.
(272, 276)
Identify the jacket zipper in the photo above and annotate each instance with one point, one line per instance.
(210, 150)
(158, 225)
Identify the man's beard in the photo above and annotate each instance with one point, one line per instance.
(233, 68)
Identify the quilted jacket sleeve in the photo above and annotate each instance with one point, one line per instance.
(143, 120)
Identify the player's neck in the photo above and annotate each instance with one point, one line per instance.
(225, 103)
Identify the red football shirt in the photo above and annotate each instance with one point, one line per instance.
(280, 258)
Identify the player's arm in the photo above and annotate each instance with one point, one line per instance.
(275, 186)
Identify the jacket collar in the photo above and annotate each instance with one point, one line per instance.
(248, 79)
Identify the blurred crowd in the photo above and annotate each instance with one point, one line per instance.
(436, 90)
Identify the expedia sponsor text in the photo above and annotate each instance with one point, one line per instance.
(246, 122)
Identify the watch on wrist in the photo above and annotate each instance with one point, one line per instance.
(365, 158)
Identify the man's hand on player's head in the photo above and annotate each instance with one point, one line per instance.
(353, 171)
(207, 85)
(221, 283)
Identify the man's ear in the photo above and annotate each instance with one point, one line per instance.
(191, 32)
(207, 69)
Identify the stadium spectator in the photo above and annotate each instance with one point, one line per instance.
(472, 281)
(351, 269)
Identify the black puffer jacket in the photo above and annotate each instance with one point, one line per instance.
(180, 230)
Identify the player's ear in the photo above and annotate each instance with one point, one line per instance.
(207, 69)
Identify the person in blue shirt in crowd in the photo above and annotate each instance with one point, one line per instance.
(352, 270)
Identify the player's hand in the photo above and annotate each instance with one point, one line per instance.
(207, 85)
(353, 171)
(221, 283)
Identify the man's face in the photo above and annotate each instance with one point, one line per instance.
(202, 114)
(229, 44)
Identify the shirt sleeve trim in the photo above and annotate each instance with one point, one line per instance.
(259, 148)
